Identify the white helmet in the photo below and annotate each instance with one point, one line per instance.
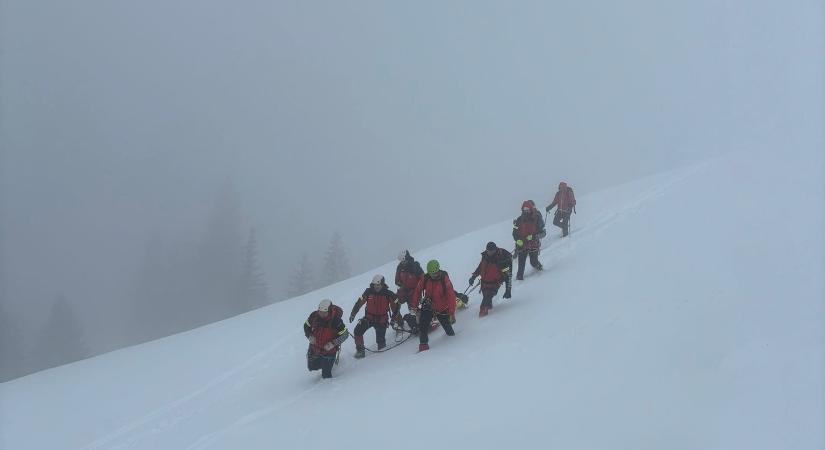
(378, 279)
(403, 254)
(324, 305)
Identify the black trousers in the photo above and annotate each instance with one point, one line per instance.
(487, 294)
(562, 220)
(411, 322)
(404, 295)
(324, 363)
(522, 258)
(427, 317)
(380, 330)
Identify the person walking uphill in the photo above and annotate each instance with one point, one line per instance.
(566, 202)
(434, 297)
(528, 229)
(326, 332)
(407, 275)
(380, 301)
(495, 268)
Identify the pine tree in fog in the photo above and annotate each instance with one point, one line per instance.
(253, 288)
(336, 263)
(11, 355)
(219, 261)
(61, 340)
(185, 282)
(162, 291)
(301, 280)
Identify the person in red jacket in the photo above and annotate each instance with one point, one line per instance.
(495, 268)
(326, 332)
(434, 297)
(407, 275)
(528, 229)
(566, 202)
(380, 301)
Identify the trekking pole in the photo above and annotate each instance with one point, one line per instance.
(468, 288)
(474, 287)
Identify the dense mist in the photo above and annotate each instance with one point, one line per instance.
(166, 164)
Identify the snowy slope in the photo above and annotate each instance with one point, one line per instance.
(685, 311)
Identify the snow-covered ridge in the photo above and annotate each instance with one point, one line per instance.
(684, 311)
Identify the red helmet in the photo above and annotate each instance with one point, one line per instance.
(528, 205)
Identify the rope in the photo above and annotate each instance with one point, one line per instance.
(403, 330)
(409, 335)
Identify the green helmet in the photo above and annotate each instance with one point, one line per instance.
(433, 266)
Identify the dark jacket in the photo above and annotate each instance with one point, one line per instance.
(408, 273)
(379, 304)
(326, 329)
(494, 269)
(531, 224)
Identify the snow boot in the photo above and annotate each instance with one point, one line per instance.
(483, 311)
(423, 347)
(359, 347)
(412, 323)
(381, 345)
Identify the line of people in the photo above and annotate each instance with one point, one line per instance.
(430, 297)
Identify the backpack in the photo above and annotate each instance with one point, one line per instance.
(572, 197)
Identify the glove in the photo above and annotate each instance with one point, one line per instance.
(507, 293)
(519, 243)
(472, 280)
(530, 237)
(452, 319)
(547, 209)
(351, 318)
(312, 340)
(329, 346)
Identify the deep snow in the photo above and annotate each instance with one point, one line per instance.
(685, 311)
